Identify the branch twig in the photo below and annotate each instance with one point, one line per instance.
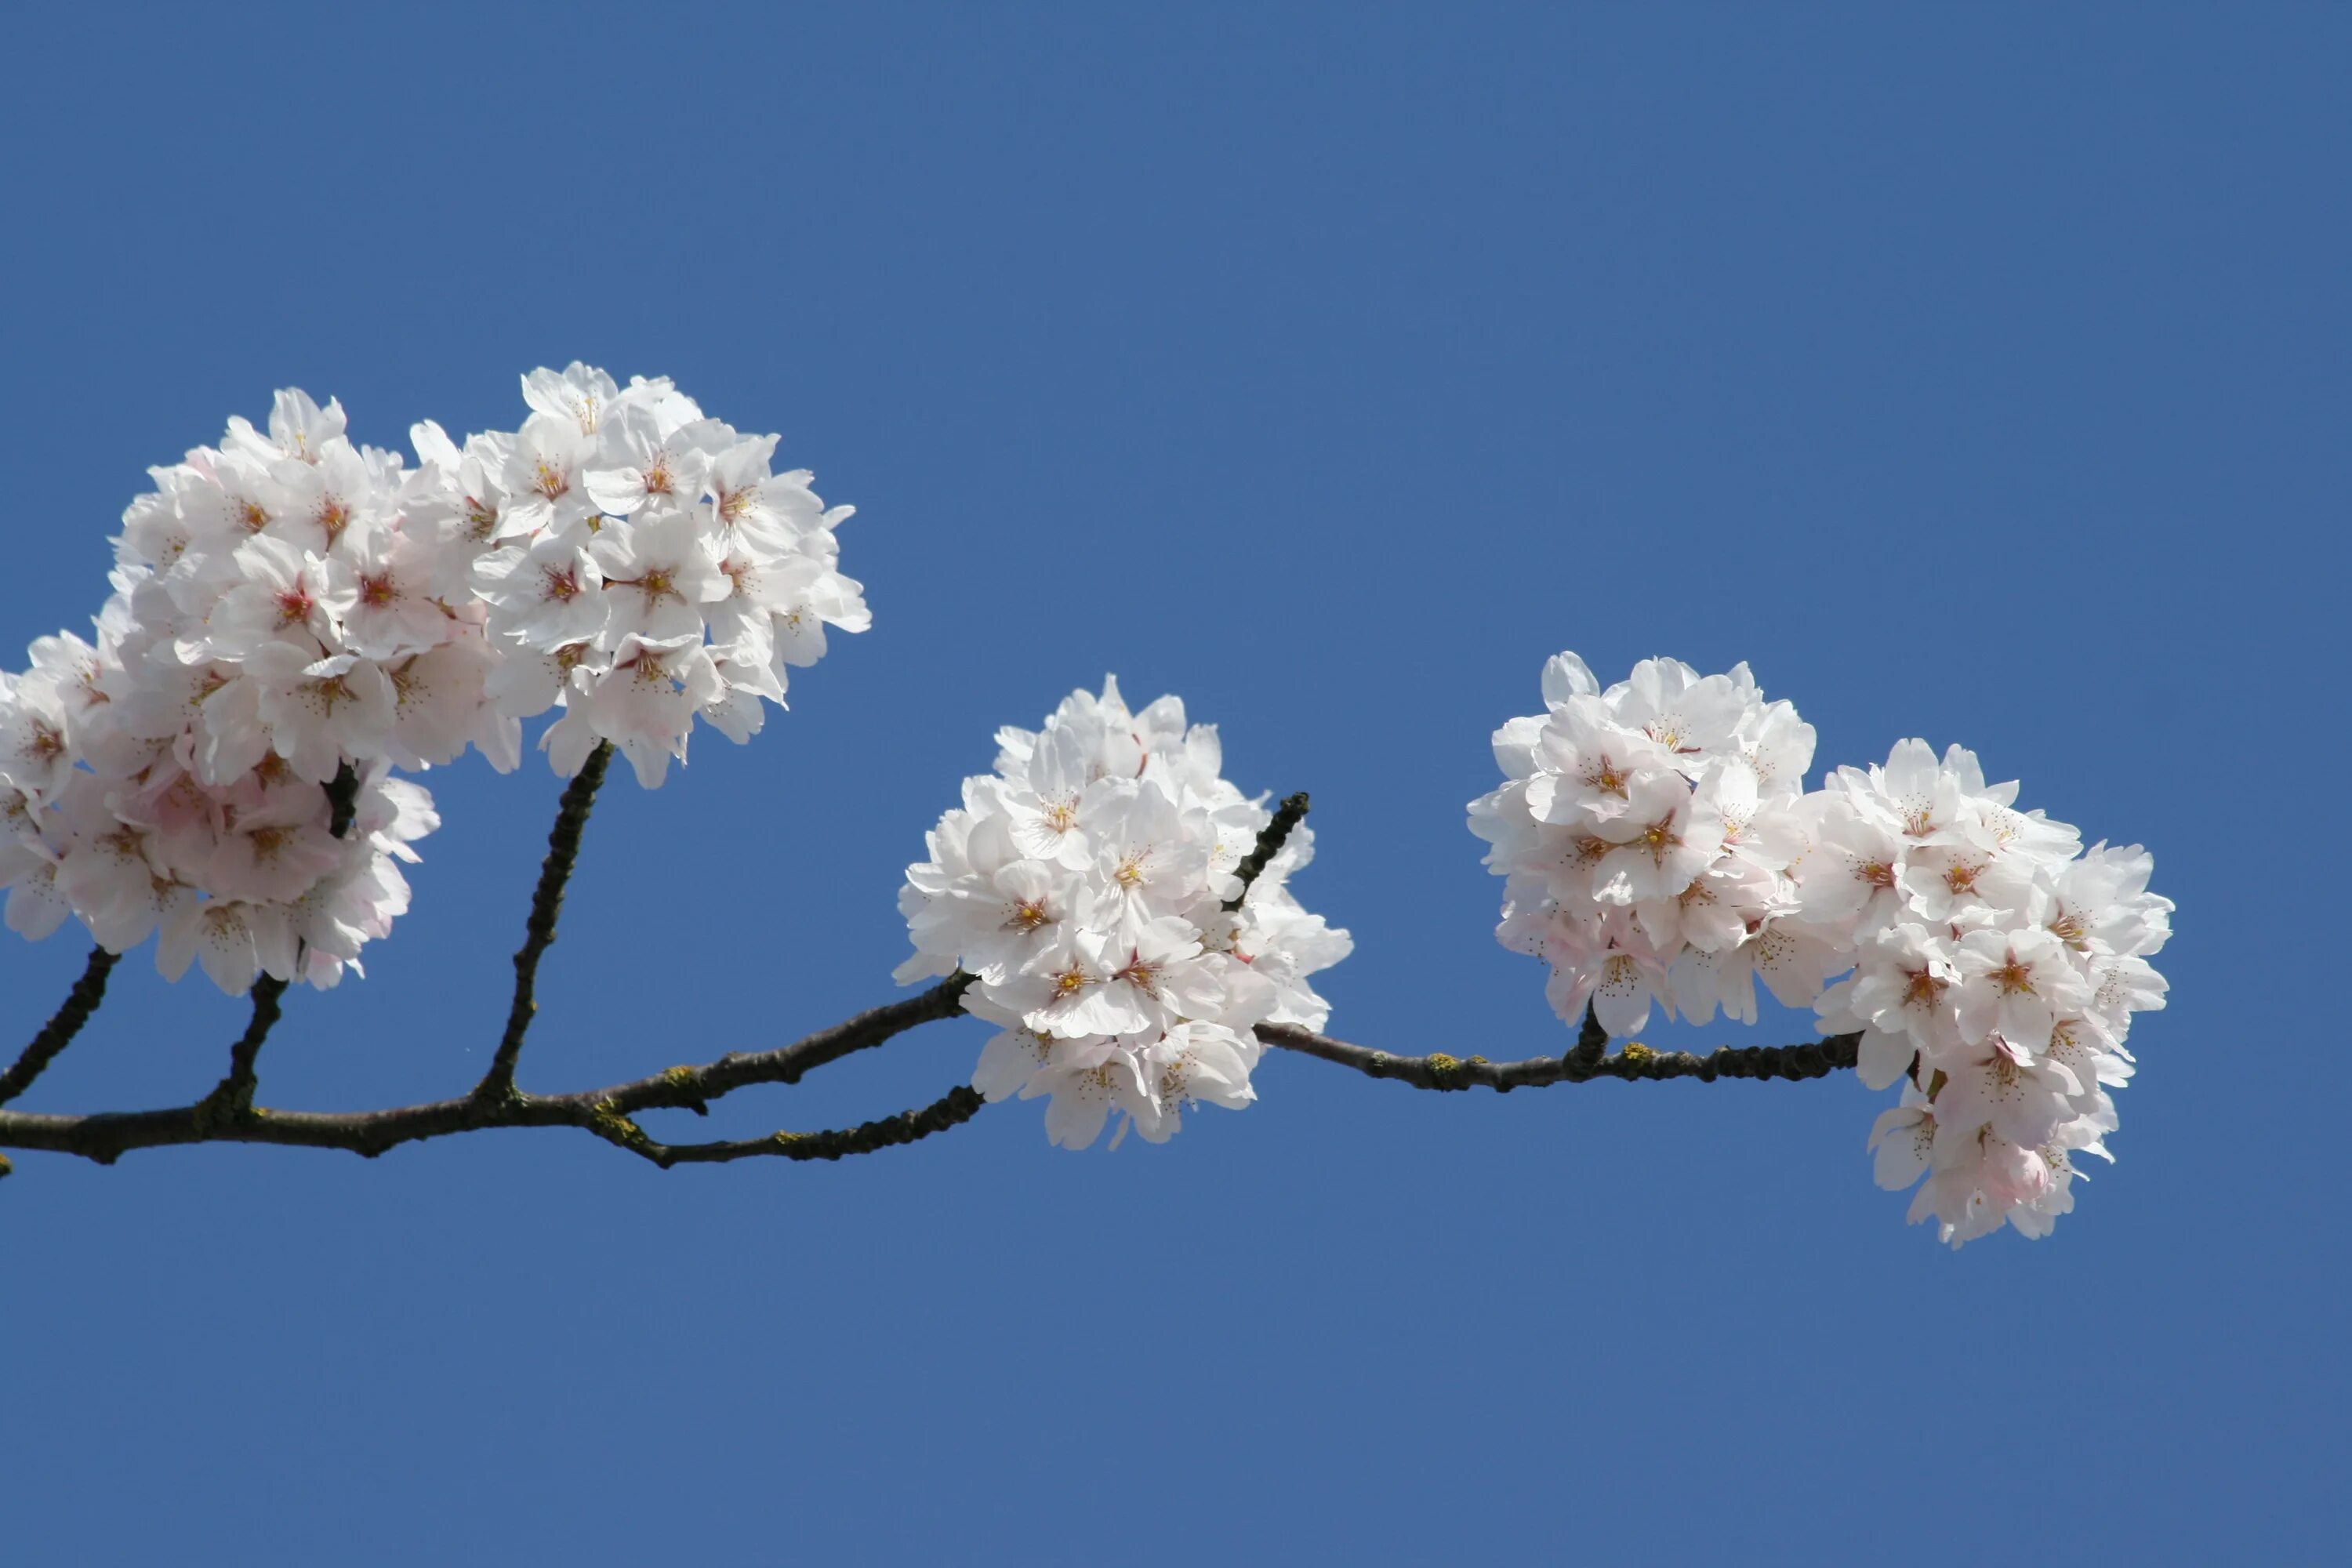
(58, 1032)
(233, 1096)
(1270, 839)
(342, 799)
(1813, 1058)
(957, 1106)
(229, 1115)
(1587, 1059)
(546, 903)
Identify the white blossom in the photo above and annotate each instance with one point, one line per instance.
(291, 609)
(1084, 885)
(1659, 851)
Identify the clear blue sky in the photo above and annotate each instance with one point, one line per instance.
(1978, 374)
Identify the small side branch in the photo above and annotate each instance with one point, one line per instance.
(232, 1097)
(955, 1107)
(1591, 1044)
(546, 903)
(342, 799)
(1270, 840)
(63, 1025)
(691, 1088)
(1813, 1058)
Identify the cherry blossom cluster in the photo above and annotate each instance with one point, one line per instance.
(640, 565)
(1090, 885)
(1660, 850)
(291, 610)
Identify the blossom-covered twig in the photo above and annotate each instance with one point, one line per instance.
(1585, 1060)
(105, 1138)
(1126, 914)
(546, 903)
(236, 1089)
(299, 619)
(58, 1032)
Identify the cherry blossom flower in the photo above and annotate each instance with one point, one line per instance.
(1659, 850)
(290, 608)
(1084, 885)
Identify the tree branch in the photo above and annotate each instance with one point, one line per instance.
(342, 799)
(957, 1106)
(234, 1094)
(223, 1119)
(1587, 1059)
(228, 1114)
(1813, 1058)
(546, 903)
(63, 1025)
(1270, 839)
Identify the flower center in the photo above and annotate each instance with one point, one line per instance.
(294, 606)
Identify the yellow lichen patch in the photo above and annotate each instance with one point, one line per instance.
(1635, 1051)
(612, 1124)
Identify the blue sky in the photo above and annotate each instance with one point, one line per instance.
(1980, 376)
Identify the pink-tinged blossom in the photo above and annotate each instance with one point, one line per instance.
(579, 394)
(1083, 885)
(658, 575)
(647, 703)
(1975, 953)
(37, 754)
(1635, 833)
(1666, 837)
(2016, 983)
(1693, 718)
(299, 429)
(234, 941)
(441, 705)
(285, 597)
(644, 465)
(394, 609)
(319, 713)
(315, 502)
(543, 476)
(544, 594)
(289, 606)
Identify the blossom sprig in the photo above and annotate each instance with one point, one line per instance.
(1659, 849)
(297, 620)
(290, 609)
(1085, 886)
